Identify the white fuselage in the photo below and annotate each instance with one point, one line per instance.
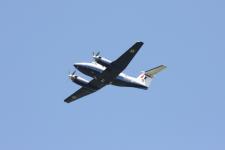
(94, 69)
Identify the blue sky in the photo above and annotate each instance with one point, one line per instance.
(184, 108)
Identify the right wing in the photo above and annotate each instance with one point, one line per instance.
(78, 94)
(99, 82)
(91, 87)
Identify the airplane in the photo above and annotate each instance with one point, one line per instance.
(105, 72)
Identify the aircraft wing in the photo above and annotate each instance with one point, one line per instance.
(122, 62)
(78, 94)
(117, 66)
(92, 87)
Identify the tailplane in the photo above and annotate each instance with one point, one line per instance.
(146, 76)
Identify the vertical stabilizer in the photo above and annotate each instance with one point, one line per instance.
(144, 79)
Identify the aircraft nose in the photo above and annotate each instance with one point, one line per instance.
(79, 65)
(76, 65)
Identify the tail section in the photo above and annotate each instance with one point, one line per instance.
(150, 73)
(146, 77)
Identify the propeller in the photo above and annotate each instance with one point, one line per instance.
(74, 72)
(96, 55)
(72, 75)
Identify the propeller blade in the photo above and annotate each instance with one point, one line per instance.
(98, 53)
(95, 56)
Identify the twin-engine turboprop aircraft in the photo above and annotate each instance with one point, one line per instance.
(105, 72)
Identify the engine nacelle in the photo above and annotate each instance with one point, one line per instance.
(80, 81)
(102, 61)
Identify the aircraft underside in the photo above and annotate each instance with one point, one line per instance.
(119, 81)
(105, 72)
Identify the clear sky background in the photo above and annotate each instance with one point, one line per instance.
(183, 109)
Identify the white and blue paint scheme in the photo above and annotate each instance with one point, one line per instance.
(94, 69)
(105, 72)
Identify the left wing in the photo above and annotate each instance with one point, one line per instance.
(122, 62)
(117, 66)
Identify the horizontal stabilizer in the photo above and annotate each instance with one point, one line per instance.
(150, 73)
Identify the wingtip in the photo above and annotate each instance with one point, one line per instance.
(140, 42)
(66, 101)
